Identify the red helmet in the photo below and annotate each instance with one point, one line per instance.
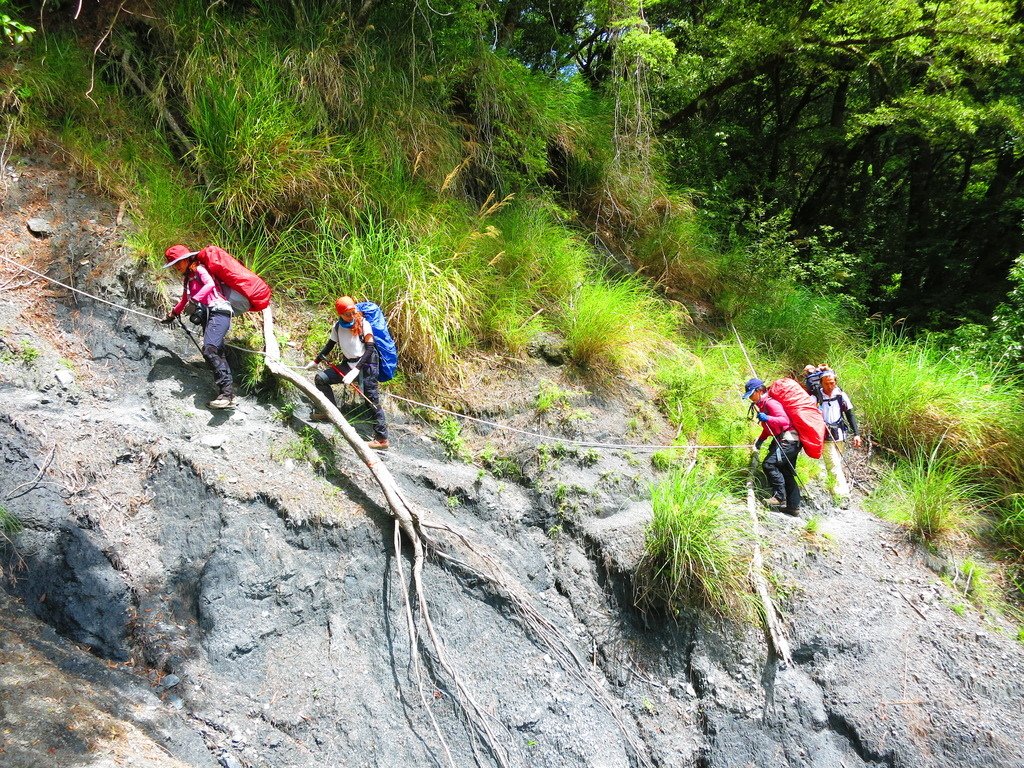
(344, 304)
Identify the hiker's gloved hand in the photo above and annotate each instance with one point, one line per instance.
(310, 365)
(350, 376)
(757, 445)
(762, 417)
(168, 318)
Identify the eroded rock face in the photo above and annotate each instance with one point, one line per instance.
(261, 612)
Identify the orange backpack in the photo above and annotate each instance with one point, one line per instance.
(802, 410)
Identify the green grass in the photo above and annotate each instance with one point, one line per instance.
(612, 325)
(260, 153)
(502, 466)
(29, 353)
(551, 397)
(1009, 525)
(914, 397)
(9, 524)
(796, 325)
(449, 433)
(975, 581)
(934, 497)
(697, 551)
(674, 250)
(701, 394)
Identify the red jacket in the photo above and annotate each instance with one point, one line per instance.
(778, 422)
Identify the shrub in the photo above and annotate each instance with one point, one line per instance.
(697, 551)
(449, 434)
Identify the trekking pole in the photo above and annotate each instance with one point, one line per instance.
(355, 387)
(189, 333)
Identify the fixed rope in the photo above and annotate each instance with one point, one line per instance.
(437, 409)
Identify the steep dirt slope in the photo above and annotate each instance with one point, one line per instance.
(251, 608)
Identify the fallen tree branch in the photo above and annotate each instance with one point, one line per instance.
(472, 561)
(408, 525)
(776, 633)
(34, 481)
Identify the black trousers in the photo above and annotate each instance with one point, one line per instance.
(370, 374)
(780, 468)
(214, 333)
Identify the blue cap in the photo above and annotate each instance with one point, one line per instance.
(752, 384)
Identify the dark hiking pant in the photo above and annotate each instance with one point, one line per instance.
(369, 375)
(214, 333)
(780, 469)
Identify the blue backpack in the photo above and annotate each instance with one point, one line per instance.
(382, 338)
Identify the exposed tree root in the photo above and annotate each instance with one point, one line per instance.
(466, 557)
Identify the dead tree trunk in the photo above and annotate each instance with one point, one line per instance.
(776, 633)
(462, 555)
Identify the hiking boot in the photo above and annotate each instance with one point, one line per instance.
(791, 511)
(222, 402)
(379, 444)
(319, 416)
(774, 502)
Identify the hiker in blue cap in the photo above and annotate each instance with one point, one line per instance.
(780, 464)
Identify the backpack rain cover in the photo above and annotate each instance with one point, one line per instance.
(802, 410)
(382, 338)
(231, 272)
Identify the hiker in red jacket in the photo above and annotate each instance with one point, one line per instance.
(214, 314)
(780, 463)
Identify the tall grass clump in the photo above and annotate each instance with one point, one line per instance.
(700, 393)
(60, 99)
(697, 550)
(258, 150)
(432, 308)
(796, 324)
(915, 397)
(171, 210)
(613, 325)
(518, 114)
(9, 523)
(1009, 527)
(931, 495)
(528, 249)
(672, 248)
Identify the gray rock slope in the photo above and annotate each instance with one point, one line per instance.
(201, 589)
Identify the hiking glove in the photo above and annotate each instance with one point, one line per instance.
(762, 417)
(168, 318)
(350, 376)
(758, 444)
